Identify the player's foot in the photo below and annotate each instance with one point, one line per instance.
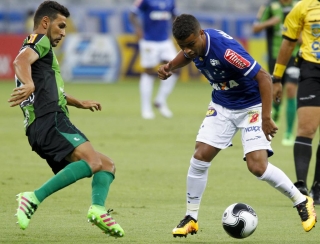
(147, 115)
(100, 217)
(27, 205)
(302, 187)
(186, 226)
(164, 110)
(288, 140)
(307, 214)
(315, 192)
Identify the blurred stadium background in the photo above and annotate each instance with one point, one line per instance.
(100, 45)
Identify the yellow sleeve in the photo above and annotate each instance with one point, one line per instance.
(293, 23)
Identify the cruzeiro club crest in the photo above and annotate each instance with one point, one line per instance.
(315, 30)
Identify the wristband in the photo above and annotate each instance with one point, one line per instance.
(275, 80)
(279, 70)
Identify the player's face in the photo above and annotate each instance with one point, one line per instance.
(57, 30)
(194, 45)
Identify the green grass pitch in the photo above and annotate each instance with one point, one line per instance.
(152, 159)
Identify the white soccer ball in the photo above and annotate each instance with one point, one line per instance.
(239, 220)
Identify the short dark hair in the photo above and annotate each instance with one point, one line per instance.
(50, 9)
(184, 25)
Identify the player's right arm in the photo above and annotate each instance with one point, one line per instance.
(165, 71)
(264, 19)
(22, 68)
(259, 26)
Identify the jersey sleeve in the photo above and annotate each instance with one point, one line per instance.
(234, 56)
(264, 13)
(39, 43)
(293, 22)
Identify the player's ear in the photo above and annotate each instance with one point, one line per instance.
(45, 22)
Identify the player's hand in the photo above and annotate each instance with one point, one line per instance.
(277, 92)
(164, 71)
(90, 104)
(269, 128)
(20, 94)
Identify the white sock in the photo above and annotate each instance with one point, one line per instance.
(196, 184)
(165, 89)
(146, 87)
(280, 181)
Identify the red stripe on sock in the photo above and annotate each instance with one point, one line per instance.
(25, 199)
(24, 204)
(112, 223)
(106, 220)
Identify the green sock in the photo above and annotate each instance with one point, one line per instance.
(70, 174)
(100, 187)
(291, 114)
(276, 109)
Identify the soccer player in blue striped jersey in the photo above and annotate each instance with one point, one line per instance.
(156, 47)
(241, 100)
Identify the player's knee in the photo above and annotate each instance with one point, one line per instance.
(95, 164)
(257, 168)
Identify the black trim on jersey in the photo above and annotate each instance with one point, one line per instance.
(289, 39)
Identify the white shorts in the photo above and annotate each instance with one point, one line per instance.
(221, 124)
(152, 53)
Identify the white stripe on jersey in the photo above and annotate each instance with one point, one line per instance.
(254, 64)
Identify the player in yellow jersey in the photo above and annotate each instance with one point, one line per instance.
(304, 20)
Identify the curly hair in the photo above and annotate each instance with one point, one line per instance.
(50, 9)
(184, 25)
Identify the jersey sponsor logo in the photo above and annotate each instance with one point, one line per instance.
(211, 112)
(160, 15)
(253, 117)
(236, 59)
(214, 62)
(225, 85)
(253, 129)
(316, 47)
(32, 38)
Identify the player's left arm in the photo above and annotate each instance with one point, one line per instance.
(84, 104)
(22, 68)
(265, 87)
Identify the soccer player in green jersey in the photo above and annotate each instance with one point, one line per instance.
(270, 18)
(40, 94)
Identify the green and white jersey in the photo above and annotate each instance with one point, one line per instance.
(49, 93)
(274, 33)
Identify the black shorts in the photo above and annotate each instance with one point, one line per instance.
(53, 137)
(288, 77)
(309, 85)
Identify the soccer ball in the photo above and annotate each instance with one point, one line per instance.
(239, 220)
